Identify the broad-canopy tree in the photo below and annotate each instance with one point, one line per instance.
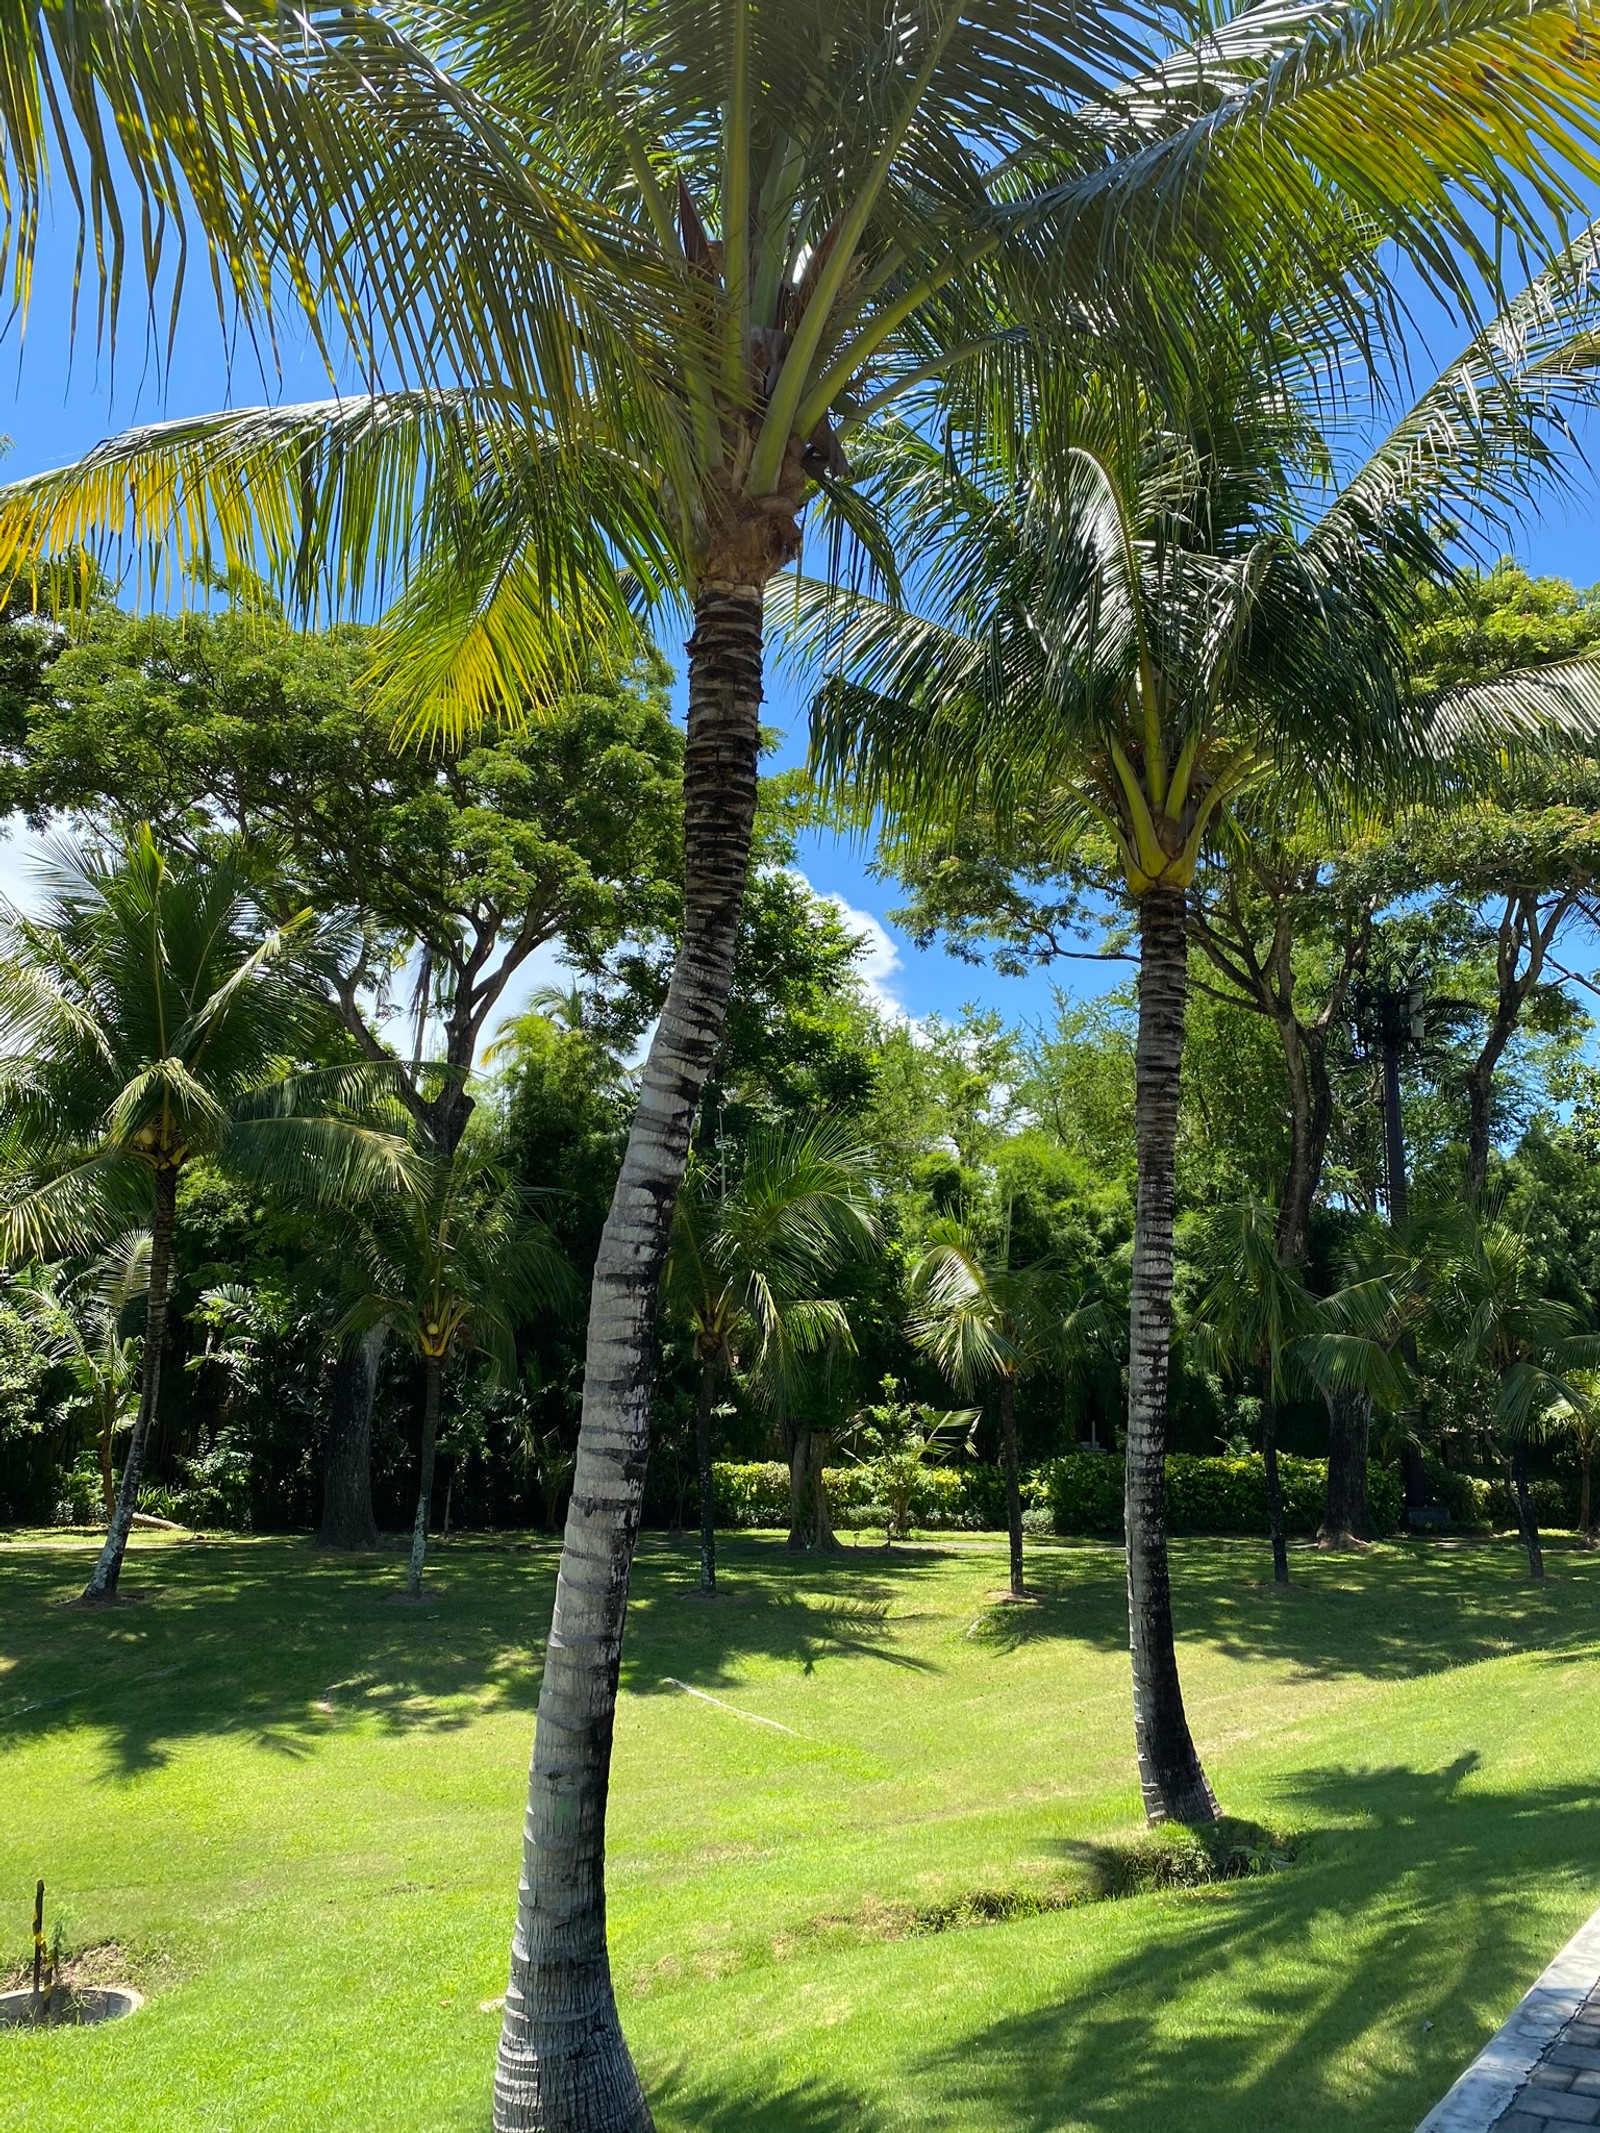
(149, 1019)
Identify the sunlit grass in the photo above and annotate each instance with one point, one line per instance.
(297, 1806)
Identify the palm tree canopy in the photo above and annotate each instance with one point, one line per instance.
(1142, 614)
(749, 1252)
(456, 1257)
(625, 278)
(149, 1017)
(979, 1318)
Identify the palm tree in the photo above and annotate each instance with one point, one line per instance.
(1257, 1311)
(149, 1021)
(629, 278)
(1579, 1419)
(1493, 1311)
(746, 1259)
(452, 1261)
(984, 1321)
(80, 1325)
(1133, 614)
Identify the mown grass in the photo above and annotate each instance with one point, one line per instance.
(296, 1807)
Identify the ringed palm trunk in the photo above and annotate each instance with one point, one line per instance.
(704, 1402)
(102, 1585)
(1585, 1531)
(108, 1483)
(432, 1379)
(1008, 1460)
(1170, 1775)
(563, 2064)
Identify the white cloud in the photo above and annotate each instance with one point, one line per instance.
(880, 955)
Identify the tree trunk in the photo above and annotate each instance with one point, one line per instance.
(1170, 1775)
(432, 1378)
(102, 1585)
(799, 1489)
(1346, 1520)
(1527, 1524)
(108, 1485)
(347, 1520)
(702, 1459)
(1585, 1535)
(563, 2064)
(1269, 1454)
(1008, 1460)
(823, 1537)
(1413, 1478)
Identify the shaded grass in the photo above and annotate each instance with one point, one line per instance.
(297, 1807)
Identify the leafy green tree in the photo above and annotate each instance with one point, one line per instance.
(450, 1262)
(81, 1326)
(748, 1254)
(148, 1019)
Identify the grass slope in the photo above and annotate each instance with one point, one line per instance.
(296, 1806)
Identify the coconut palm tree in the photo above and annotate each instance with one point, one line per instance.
(747, 1255)
(80, 1325)
(1494, 1315)
(450, 1262)
(985, 1322)
(1135, 618)
(627, 279)
(149, 1020)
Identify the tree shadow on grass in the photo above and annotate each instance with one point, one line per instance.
(813, 2105)
(280, 1642)
(1394, 1612)
(1349, 1990)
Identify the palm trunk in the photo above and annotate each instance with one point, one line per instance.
(1269, 1453)
(1585, 1536)
(1008, 1460)
(1527, 1524)
(563, 2064)
(823, 1537)
(1170, 1774)
(1346, 1520)
(702, 1454)
(432, 1379)
(347, 1517)
(102, 1585)
(108, 1485)
(799, 1478)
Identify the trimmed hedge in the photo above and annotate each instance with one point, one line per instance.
(1082, 1493)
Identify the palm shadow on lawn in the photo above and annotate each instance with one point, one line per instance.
(1435, 1884)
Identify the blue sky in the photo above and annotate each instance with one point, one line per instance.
(57, 400)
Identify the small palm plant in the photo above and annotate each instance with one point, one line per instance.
(1257, 1312)
(895, 1438)
(748, 1255)
(82, 1326)
(450, 1263)
(1496, 1316)
(986, 1322)
(149, 1020)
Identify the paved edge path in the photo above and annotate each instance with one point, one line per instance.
(1503, 2066)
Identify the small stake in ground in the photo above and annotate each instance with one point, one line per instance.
(38, 1939)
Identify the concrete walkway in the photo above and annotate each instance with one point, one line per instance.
(1539, 2072)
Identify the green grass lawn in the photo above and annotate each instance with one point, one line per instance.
(296, 1806)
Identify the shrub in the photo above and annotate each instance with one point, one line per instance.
(967, 1498)
(1084, 1493)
